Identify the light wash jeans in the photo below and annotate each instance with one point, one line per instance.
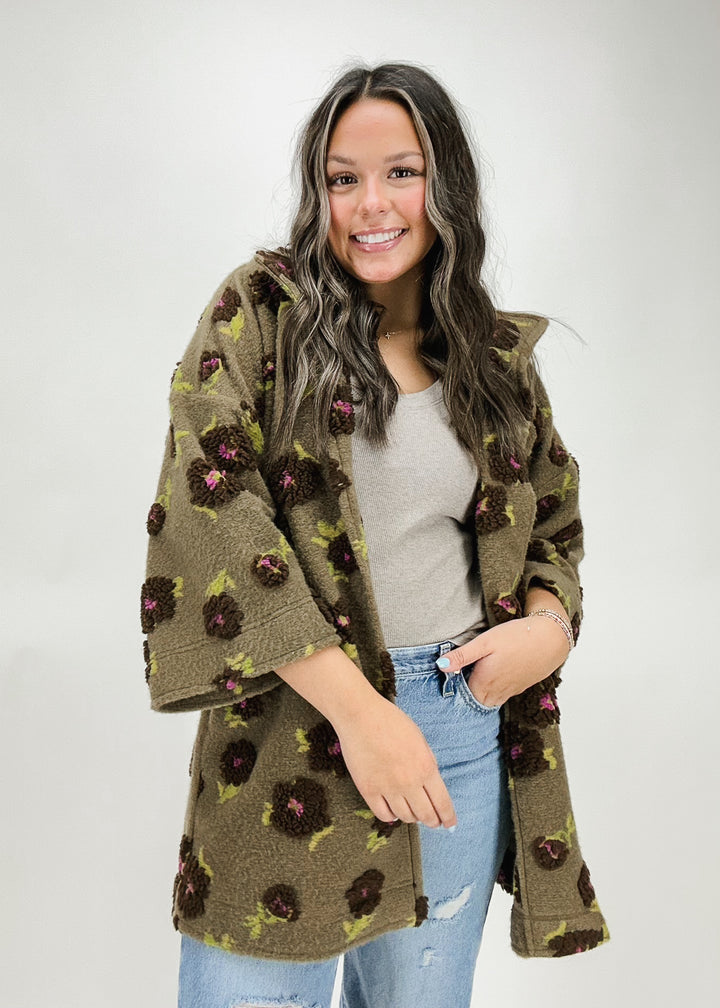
(430, 966)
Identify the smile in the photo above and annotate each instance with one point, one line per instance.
(378, 237)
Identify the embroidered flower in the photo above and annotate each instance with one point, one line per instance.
(538, 705)
(248, 707)
(557, 454)
(229, 448)
(364, 894)
(337, 480)
(491, 510)
(268, 368)
(575, 626)
(270, 569)
(547, 506)
(421, 910)
(550, 853)
(507, 607)
(157, 602)
(210, 362)
(222, 617)
(337, 617)
(340, 554)
(155, 519)
(386, 686)
(342, 417)
(523, 750)
(505, 873)
(325, 752)
(237, 762)
(575, 941)
(264, 290)
(146, 656)
(192, 883)
(294, 480)
(384, 829)
(567, 534)
(227, 307)
(504, 466)
(281, 901)
(211, 485)
(299, 807)
(585, 887)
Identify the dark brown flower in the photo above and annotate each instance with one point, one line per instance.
(340, 554)
(155, 519)
(342, 417)
(325, 752)
(557, 454)
(171, 441)
(506, 608)
(385, 829)
(505, 874)
(504, 466)
(575, 626)
(294, 480)
(146, 656)
(386, 686)
(210, 362)
(569, 532)
(539, 422)
(211, 485)
(157, 602)
(222, 617)
(264, 290)
(337, 479)
(490, 510)
(421, 910)
(364, 894)
(237, 762)
(248, 707)
(523, 750)
(299, 807)
(516, 886)
(538, 705)
(575, 941)
(227, 307)
(336, 616)
(281, 901)
(537, 551)
(549, 854)
(192, 883)
(547, 506)
(270, 569)
(229, 448)
(268, 368)
(585, 887)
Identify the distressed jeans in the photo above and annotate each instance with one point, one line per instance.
(429, 966)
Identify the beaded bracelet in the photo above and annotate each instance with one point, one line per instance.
(551, 614)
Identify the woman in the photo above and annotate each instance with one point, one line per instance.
(378, 739)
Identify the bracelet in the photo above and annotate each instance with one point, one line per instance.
(551, 614)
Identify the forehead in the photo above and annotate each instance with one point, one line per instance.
(374, 123)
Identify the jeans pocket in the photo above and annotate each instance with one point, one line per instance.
(469, 697)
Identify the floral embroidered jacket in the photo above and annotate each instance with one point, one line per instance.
(252, 565)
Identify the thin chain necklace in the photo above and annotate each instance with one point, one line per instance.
(394, 332)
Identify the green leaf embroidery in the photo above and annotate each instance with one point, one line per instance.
(178, 589)
(267, 813)
(364, 813)
(242, 664)
(548, 755)
(351, 651)
(301, 453)
(353, 929)
(211, 426)
(206, 510)
(209, 385)
(204, 865)
(221, 583)
(566, 834)
(237, 324)
(254, 432)
(164, 498)
(179, 435)
(320, 835)
(226, 943)
(179, 384)
(227, 792)
(375, 842)
(152, 663)
(233, 720)
(301, 736)
(556, 934)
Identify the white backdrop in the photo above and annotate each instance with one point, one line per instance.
(145, 152)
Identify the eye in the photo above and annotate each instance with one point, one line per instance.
(343, 179)
(403, 173)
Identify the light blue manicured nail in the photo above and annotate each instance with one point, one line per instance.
(451, 829)
(443, 663)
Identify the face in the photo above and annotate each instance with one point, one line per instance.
(379, 231)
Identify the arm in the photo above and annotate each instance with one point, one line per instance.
(386, 754)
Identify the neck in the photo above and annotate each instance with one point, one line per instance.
(401, 299)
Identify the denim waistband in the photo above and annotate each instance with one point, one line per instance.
(408, 660)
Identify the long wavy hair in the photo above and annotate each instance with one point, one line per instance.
(331, 331)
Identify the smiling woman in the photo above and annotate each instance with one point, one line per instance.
(379, 733)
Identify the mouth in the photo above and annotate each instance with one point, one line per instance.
(378, 241)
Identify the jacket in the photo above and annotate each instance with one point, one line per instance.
(252, 565)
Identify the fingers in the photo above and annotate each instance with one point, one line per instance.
(431, 805)
(472, 651)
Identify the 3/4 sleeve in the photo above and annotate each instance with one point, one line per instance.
(556, 545)
(225, 600)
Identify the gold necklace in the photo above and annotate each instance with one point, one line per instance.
(394, 332)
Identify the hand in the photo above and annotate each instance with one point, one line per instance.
(510, 657)
(393, 767)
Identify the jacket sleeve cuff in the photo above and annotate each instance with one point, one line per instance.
(204, 674)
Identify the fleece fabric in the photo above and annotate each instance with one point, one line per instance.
(252, 565)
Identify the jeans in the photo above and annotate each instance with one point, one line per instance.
(418, 967)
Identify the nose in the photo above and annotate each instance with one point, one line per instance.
(373, 198)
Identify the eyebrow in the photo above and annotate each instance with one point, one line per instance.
(393, 157)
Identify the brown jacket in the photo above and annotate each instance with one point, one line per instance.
(251, 566)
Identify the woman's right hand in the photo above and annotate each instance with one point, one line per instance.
(386, 754)
(393, 767)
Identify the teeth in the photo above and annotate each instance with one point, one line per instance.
(381, 236)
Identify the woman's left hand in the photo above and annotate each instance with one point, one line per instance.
(510, 657)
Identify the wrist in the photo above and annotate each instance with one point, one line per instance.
(548, 625)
